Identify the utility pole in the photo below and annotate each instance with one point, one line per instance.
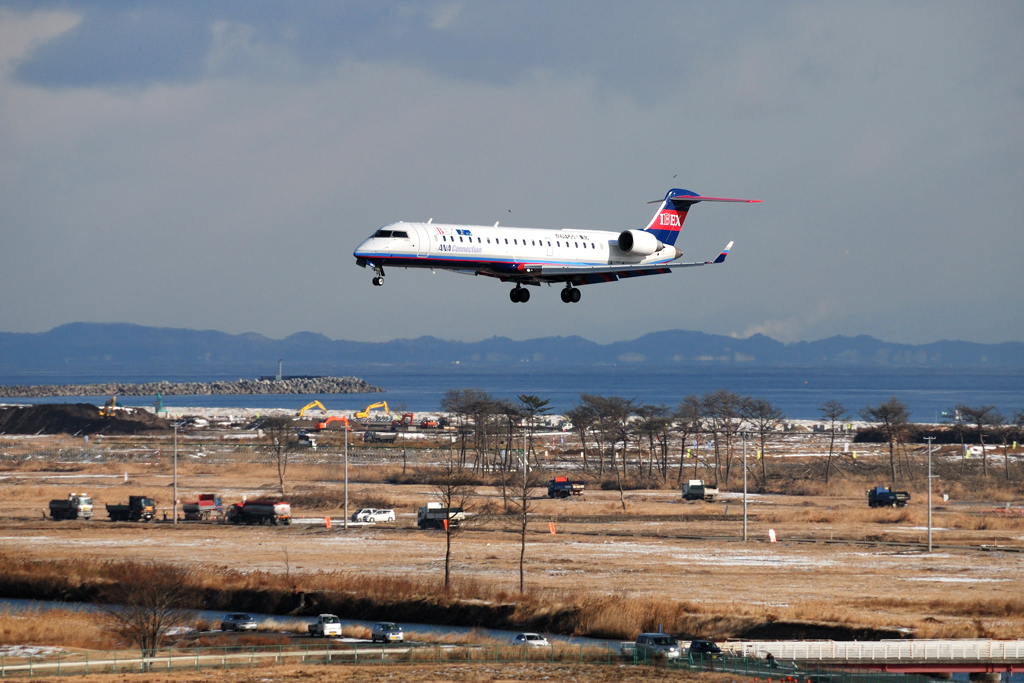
(929, 439)
(744, 486)
(346, 474)
(175, 473)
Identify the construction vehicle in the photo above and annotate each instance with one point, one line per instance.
(77, 505)
(405, 421)
(208, 507)
(379, 437)
(306, 439)
(313, 404)
(884, 496)
(433, 516)
(138, 509)
(334, 418)
(261, 511)
(561, 487)
(159, 405)
(427, 423)
(696, 489)
(109, 407)
(365, 413)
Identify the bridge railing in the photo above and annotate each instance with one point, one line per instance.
(886, 650)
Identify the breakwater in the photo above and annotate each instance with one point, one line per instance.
(307, 385)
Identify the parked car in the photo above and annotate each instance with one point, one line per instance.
(531, 640)
(656, 645)
(326, 625)
(238, 622)
(373, 515)
(387, 632)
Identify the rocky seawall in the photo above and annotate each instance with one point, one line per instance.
(310, 385)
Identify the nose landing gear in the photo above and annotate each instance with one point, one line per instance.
(519, 295)
(378, 279)
(570, 295)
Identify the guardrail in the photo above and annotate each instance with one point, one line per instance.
(63, 663)
(925, 651)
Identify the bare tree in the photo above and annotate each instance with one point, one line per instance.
(526, 481)
(653, 422)
(453, 489)
(834, 412)
(981, 417)
(532, 407)
(512, 415)
(144, 601)
(689, 418)
(724, 410)
(892, 418)
(583, 418)
(765, 418)
(280, 432)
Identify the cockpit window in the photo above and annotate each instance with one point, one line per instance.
(400, 233)
(382, 233)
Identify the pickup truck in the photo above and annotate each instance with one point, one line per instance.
(326, 625)
(883, 496)
(562, 487)
(696, 489)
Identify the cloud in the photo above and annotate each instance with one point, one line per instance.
(214, 165)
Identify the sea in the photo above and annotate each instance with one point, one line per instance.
(798, 391)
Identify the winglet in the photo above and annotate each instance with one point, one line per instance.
(725, 252)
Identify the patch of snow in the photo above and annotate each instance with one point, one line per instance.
(29, 650)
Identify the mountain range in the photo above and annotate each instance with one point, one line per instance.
(84, 348)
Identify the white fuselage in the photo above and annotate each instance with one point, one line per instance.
(497, 249)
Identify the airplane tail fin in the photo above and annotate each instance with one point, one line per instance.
(670, 216)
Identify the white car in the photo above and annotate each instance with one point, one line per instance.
(531, 640)
(373, 515)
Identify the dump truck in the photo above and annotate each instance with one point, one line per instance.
(379, 437)
(209, 506)
(695, 489)
(562, 487)
(76, 506)
(432, 516)
(884, 496)
(261, 511)
(138, 509)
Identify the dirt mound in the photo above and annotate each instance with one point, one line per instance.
(77, 418)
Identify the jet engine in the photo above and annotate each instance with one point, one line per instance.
(639, 242)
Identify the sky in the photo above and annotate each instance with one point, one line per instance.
(213, 165)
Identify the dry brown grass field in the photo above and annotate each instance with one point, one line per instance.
(605, 572)
(463, 673)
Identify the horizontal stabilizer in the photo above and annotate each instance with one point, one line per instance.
(693, 198)
(725, 252)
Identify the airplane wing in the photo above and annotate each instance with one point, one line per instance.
(588, 275)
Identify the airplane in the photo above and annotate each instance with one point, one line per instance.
(530, 256)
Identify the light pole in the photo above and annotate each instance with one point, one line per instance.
(175, 473)
(929, 439)
(744, 486)
(346, 474)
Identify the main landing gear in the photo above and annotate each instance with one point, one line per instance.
(519, 295)
(378, 279)
(570, 295)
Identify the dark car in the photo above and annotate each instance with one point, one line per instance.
(705, 649)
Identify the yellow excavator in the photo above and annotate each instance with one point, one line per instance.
(314, 404)
(365, 413)
(109, 407)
